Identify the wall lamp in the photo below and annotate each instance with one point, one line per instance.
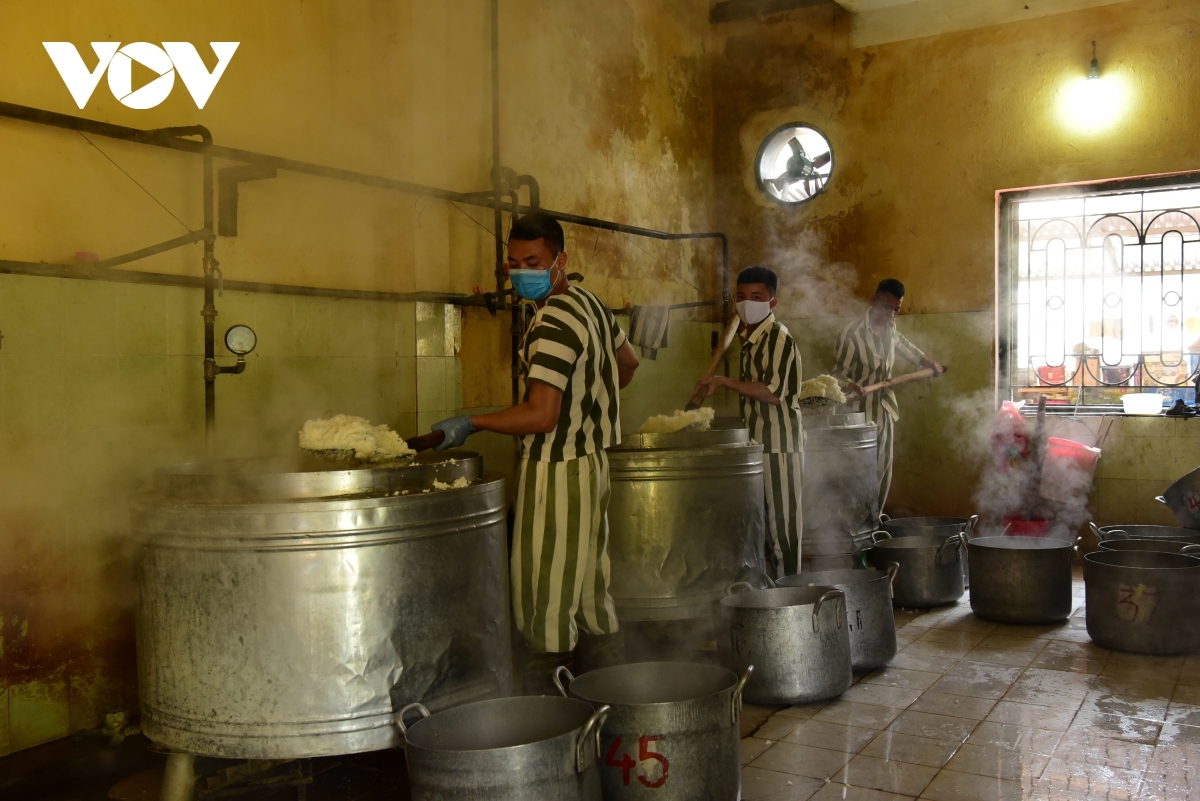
(1094, 103)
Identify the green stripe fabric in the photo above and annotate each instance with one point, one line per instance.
(785, 513)
(864, 357)
(572, 345)
(771, 356)
(559, 563)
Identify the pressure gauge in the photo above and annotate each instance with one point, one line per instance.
(793, 164)
(240, 339)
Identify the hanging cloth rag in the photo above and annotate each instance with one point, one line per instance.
(648, 327)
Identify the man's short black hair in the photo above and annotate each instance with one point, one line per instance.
(535, 226)
(891, 287)
(759, 275)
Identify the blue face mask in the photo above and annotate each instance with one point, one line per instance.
(533, 284)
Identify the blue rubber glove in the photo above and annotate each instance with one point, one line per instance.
(456, 429)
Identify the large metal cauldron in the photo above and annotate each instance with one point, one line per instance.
(795, 638)
(532, 748)
(287, 610)
(840, 488)
(686, 518)
(934, 527)
(869, 612)
(930, 572)
(1021, 579)
(672, 731)
(1143, 601)
(1164, 546)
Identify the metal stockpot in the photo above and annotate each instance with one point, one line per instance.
(672, 730)
(934, 527)
(1183, 499)
(1142, 532)
(686, 517)
(528, 748)
(287, 607)
(1146, 602)
(869, 615)
(1021, 579)
(931, 572)
(798, 644)
(840, 487)
(1162, 546)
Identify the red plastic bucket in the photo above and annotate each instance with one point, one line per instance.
(1020, 527)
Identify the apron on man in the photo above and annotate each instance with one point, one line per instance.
(559, 565)
(864, 357)
(769, 355)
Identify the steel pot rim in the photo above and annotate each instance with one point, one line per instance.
(870, 575)
(805, 597)
(1020, 543)
(714, 671)
(925, 522)
(1106, 559)
(586, 710)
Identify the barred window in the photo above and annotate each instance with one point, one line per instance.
(1100, 291)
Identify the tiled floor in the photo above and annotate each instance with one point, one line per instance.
(975, 710)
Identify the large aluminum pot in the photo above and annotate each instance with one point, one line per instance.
(528, 748)
(930, 572)
(1183, 499)
(1164, 546)
(1145, 602)
(1143, 532)
(869, 615)
(287, 609)
(840, 487)
(934, 527)
(672, 730)
(686, 517)
(798, 643)
(1021, 579)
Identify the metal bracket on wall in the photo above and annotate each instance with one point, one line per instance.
(228, 180)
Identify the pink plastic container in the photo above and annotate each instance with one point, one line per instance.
(1020, 527)
(1067, 470)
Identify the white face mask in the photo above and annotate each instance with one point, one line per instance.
(753, 312)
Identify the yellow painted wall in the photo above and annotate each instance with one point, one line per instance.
(607, 104)
(925, 132)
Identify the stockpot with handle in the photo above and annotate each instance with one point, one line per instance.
(672, 731)
(930, 571)
(1146, 602)
(795, 637)
(1021, 579)
(526, 748)
(869, 616)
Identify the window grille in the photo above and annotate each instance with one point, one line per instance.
(1100, 291)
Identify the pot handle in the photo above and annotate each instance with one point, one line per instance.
(746, 584)
(1099, 535)
(1161, 499)
(956, 540)
(1118, 534)
(884, 518)
(969, 528)
(1190, 548)
(399, 718)
(840, 611)
(735, 700)
(595, 722)
(557, 675)
(875, 536)
(892, 570)
(966, 552)
(771, 585)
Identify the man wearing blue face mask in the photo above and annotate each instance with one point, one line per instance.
(769, 387)
(576, 360)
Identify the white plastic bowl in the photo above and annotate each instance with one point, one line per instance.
(1142, 403)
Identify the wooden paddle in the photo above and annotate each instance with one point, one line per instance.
(426, 441)
(730, 332)
(928, 372)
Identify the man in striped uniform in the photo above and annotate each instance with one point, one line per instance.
(866, 351)
(577, 361)
(769, 386)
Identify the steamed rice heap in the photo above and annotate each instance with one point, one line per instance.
(698, 420)
(823, 386)
(344, 432)
(462, 482)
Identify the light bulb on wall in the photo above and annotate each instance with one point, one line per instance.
(1094, 103)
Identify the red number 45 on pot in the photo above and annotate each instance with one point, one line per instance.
(626, 763)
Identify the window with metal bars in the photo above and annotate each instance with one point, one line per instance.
(1099, 291)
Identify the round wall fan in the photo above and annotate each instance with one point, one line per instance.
(794, 163)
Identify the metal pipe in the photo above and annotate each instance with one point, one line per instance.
(535, 191)
(179, 777)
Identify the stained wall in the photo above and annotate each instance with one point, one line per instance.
(925, 132)
(608, 105)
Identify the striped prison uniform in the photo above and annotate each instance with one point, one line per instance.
(864, 357)
(559, 562)
(770, 355)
